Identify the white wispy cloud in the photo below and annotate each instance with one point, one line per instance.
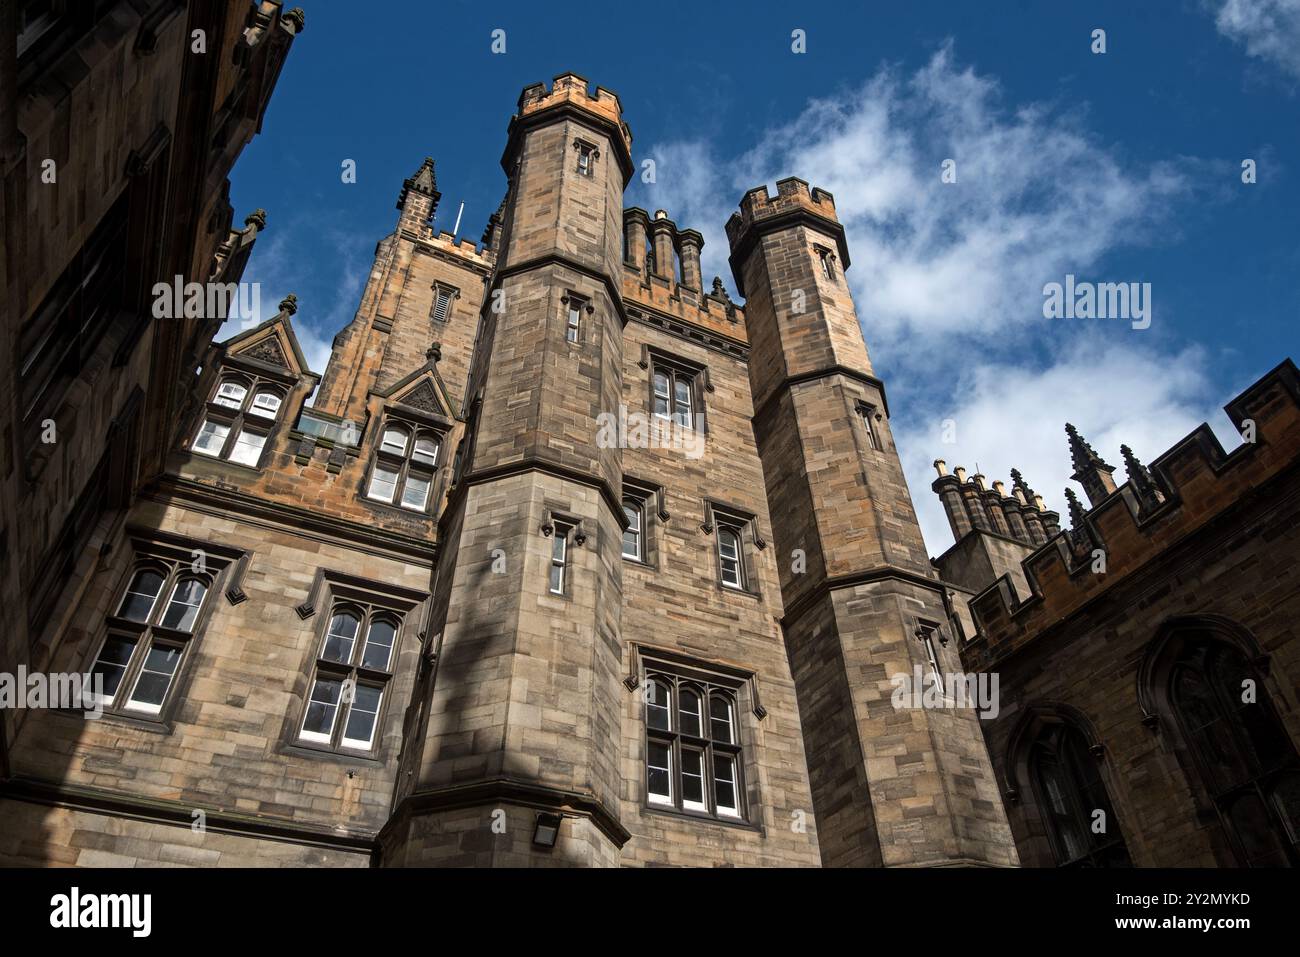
(1008, 416)
(338, 269)
(948, 278)
(1268, 29)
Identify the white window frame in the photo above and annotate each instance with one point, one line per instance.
(559, 558)
(738, 558)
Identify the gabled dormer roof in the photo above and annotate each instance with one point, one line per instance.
(272, 343)
(422, 390)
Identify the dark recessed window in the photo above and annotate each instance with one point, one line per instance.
(1245, 759)
(1076, 809)
(827, 260)
(868, 414)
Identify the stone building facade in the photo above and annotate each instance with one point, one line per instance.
(569, 560)
(1147, 656)
(120, 121)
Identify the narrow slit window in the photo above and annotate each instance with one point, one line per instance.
(729, 560)
(559, 557)
(632, 534)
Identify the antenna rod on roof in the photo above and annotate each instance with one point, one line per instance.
(455, 230)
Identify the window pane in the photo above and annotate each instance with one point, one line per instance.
(379, 644)
(656, 706)
(426, 451)
(360, 729)
(690, 711)
(559, 551)
(322, 708)
(720, 718)
(659, 773)
(230, 394)
(248, 447)
(183, 608)
(661, 393)
(729, 557)
(340, 637)
(394, 441)
(383, 483)
(724, 785)
(632, 534)
(266, 404)
(211, 438)
(138, 601)
(111, 663)
(693, 780)
(415, 495)
(155, 678)
(682, 399)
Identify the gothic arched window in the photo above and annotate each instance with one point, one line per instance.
(1246, 762)
(1075, 808)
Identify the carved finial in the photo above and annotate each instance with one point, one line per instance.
(1077, 514)
(435, 353)
(1140, 478)
(289, 304)
(424, 181)
(297, 17)
(256, 218)
(1090, 470)
(1082, 456)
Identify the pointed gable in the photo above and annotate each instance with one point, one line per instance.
(423, 397)
(267, 350)
(422, 391)
(272, 342)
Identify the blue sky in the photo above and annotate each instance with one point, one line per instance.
(1123, 166)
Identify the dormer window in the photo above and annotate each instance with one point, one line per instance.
(394, 442)
(230, 394)
(266, 404)
(240, 414)
(404, 465)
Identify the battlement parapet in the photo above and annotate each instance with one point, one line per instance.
(571, 90)
(1198, 481)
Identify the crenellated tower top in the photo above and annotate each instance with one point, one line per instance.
(570, 93)
(795, 203)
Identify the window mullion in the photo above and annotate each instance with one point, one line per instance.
(131, 675)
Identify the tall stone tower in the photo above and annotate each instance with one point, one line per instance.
(522, 716)
(891, 786)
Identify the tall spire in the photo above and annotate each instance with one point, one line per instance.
(1139, 476)
(1090, 470)
(419, 197)
(1018, 484)
(1080, 533)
